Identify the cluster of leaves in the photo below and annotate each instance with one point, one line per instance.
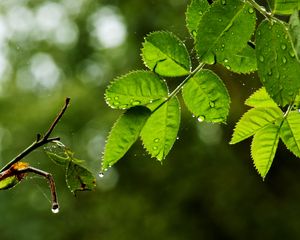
(78, 177)
(223, 32)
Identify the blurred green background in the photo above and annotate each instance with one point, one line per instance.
(205, 189)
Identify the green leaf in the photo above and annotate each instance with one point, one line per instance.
(124, 133)
(135, 88)
(166, 55)
(290, 132)
(206, 97)
(294, 27)
(56, 151)
(260, 98)
(284, 7)
(78, 178)
(278, 68)
(241, 62)
(194, 13)
(224, 30)
(254, 120)
(161, 128)
(263, 148)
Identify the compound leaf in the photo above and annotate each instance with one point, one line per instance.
(160, 131)
(254, 120)
(206, 97)
(278, 67)
(284, 7)
(241, 62)
(78, 178)
(194, 13)
(124, 133)
(260, 98)
(290, 132)
(166, 55)
(135, 89)
(224, 30)
(263, 148)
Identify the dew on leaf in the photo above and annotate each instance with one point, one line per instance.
(270, 73)
(108, 99)
(116, 98)
(212, 104)
(250, 10)
(225, 60)
(156, 140)
(228, 67)
(284, 60)
(223, 2)
(155, 148)
(261, 58)
(116, 103)
(201, 118)
(292, 53)
(134, 103)
(283, 46)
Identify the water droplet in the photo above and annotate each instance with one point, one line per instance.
(116, 98)
(194, 33)
(270, 73)
(225, 60)
(261, 58)
(156, 140)
(250, 10)
(284, 59)
(258, 33)
(283, 46)
(228, 67)
(116, 103)
(201, 118)
(212, 104)
(220, 19)
(292, 53)
(101, 175)
(134, 103)
(200, 13)
(155, 148)
(299, 110)
(223, 2)
(177, 138)
(108, 99)
(55, 208)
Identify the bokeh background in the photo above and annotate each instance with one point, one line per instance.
(205, 189)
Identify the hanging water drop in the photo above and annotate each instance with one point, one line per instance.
(201, 118)
(101, 175)
(55, 208)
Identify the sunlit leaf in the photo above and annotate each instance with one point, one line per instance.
(260, 98)
(78, 178)
(161, 128)
(124, 133)
(263, 148)
(194, 13)
(224, 30)
(254, 120)
(166, 55)
(135, 88)
(278, 67)
(206, 97)
(241, 62)
(284, 7)
(290, 132)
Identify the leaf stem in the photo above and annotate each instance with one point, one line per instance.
(40, 140)
(179, 87)
(261, 9)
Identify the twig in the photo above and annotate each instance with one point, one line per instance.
(40, 139)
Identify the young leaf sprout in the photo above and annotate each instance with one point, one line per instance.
(15, 171)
